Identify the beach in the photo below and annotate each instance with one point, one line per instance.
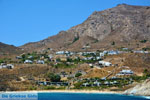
(65, 91)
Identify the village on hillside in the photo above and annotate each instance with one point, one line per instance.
(74, 70)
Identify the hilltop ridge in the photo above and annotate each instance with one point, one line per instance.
(124, 24)
(9, 49)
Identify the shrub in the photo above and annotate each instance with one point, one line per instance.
(54, 78)
(146, 73)
(49, 88)
(113, 43)
(75, 39)
(78, 75)
(1, 61)
(78, 85)
(145, 49)
(32, 88)
(143, 41)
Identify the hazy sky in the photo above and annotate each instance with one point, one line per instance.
(23, 21)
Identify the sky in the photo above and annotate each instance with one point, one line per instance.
(23, 21)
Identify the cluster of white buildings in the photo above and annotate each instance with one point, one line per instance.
(37, 62)
(105, 63)
(140, 51)
(125, 72)
(8, 66)
(28, 61)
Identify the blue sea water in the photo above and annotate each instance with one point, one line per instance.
(86, 96)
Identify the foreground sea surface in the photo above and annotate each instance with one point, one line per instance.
(87, 96)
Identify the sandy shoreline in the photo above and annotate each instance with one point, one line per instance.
(74, 91)
(65, 91)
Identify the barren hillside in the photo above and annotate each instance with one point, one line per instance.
(9, 49)
(123, 25)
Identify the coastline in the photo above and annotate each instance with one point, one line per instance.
(77, 91)
(65, 91)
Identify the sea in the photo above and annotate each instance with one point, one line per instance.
(67, 96)
(88, 96)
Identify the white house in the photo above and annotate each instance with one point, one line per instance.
(18, 57)
(101, 54)
(90, 65)
(9, 66)
(105, 63)
(50, 56)
(96, 83)
(28, 62)
(60, 52)
(125, 49)
(98, 58)
(112, 52)
(86, 46)
(40, 62)
(30, 57)
(88, 58)
(126, 72)
(141, 51)
(85, 84)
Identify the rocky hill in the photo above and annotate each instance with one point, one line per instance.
(140, 89)
(121, 26)
(9, 49)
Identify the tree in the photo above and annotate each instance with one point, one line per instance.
(113, 43)
(58, 60)
(143, 41)
(78, 85)
(23, 56)
(54, 78)
(78, 74)
(69, 60)
(146, 73)
(1, 61)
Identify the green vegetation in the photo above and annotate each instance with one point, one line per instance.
(146, 73)
(105, 31)
(89, 55)
(75, 39)
(113, 43)
(53, 88)
(53, 77)
(146, 49)
(138, 78)
(49, 88)
(78, 85)
(78, 74)
(64, 65)
(1, 61)
(120, 82)
(95, 41)
(32, 88)
(75, 61)
(143, 41)
(6, 60)
(58, 60)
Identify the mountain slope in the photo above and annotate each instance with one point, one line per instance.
(9, 49)
(140, 89)
(125, 25)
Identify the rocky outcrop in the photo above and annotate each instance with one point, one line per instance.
(142, 89)
(125, 21)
